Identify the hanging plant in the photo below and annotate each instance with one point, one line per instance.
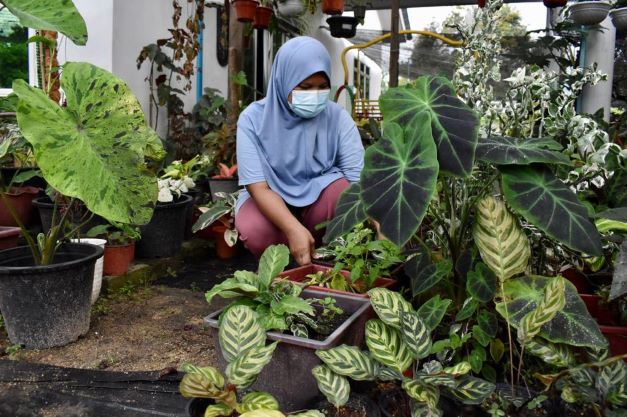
(245, 10)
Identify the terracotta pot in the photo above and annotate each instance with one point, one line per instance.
(551, 4)
(577, 278)
(262, 17)
(223, 250)
(481, 3)
(8, 237)
(21, 199)
(599, 310)
(118, 258)
(332, 6)
(245, 10)
(617, 337)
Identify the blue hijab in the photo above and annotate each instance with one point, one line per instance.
(298, 157)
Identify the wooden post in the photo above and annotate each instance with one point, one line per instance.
(394, 43)
(236, 50)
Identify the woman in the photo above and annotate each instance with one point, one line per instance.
(296, 152)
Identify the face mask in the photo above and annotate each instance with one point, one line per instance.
(309, 103)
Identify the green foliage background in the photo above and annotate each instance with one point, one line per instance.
(13, 51)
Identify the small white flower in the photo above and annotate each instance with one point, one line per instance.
(189, 183)
(165, 196)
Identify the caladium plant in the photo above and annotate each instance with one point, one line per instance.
(397, 341)
(243, 343)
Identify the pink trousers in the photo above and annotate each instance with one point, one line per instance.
(258, 233)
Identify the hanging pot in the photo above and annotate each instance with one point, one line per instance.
(290, 8)
(359, 12)
(262, 17)
(588, 13)
(342, 26)
(619, 18)
(332, 6)
(245, 10)
(551, 4)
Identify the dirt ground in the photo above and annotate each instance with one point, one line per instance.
(148, 328)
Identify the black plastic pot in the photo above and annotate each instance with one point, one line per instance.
(163, 236)
(358, 405)
(46, 306)
(225, 185)
(196, 406)
(45, 206)
(9, 172)
(288, 375)
(342, 26)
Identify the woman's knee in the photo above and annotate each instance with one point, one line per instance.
(255, 230)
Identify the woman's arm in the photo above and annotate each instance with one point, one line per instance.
(272, 206)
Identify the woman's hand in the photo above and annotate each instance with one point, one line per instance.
(302, 244)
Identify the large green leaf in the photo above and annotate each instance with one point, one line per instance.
(349, 211)
(217, 210)
(433, 311)
(56, 15)
(273, 260)
(334, 387)
(535, 193)
(240, 331)
(199, 382)
(389, 305)
(231, 288)
(454, 125)
(257, 401)
(399, 177)
(505, 150)
(424, 274)
(349, 361)
(573, 325)
(481, 283)
(94, 148)
(243, 371)
(386, 346)
(504, 247)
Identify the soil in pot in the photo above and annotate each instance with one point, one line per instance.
(46, 306)
(358, 405)
(21, 199)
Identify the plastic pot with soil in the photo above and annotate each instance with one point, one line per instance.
(21, 200)
(358, 405)
(288, 375)
(47, 306)
(163, 235)
(79, 216)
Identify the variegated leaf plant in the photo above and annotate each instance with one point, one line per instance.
(243, 344)
(397, 341)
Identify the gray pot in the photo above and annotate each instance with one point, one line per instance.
(589, 13)
(288, 375)
(619, 18)
(290, 8)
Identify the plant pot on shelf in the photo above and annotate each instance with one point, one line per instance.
(95, 291)
(619, 18)
(551, 4)
(163, 235)
(224, 185)
(289, 8)
(288, 375)
(9, 236)
(263, 14)
(299, 274)
(245, 10)
(118, 258)
(21, 199)
(588, 13)
(332, 6)
(223, 250)
(342, 26)
(45, 206)
(196, 406)
(47, 306)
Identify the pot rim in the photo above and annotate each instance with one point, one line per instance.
(22, 252)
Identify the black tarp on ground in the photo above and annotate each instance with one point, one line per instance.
(36, 390)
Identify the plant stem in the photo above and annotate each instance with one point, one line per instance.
(29, 239)
(509, 338)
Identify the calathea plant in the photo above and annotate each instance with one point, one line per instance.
(398, 341)
(277, 301)
(243, 344)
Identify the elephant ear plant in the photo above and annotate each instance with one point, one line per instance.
(397, 342)
(243, 344)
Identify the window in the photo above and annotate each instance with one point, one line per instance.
(14, 51)
(361, 79)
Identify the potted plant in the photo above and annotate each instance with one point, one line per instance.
(283, 306)
(619, 14)
(332, 6)
(343, 26)
(218, 220)
(223, 182)
(263, 14)
(119, 248)
(45, 288)
(589, 12)
(245, 9)
(242, 342)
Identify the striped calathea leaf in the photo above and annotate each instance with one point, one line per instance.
(55, 15)
(399, 177)
(257, 401)
(555, 354)
(95, 148)
(545, 201)
(427, 396)
(218, 410)
(471, 390)
(548, 307)
(415, 335)
(454, 126)
(504, 247)
(240, 331)
(389, 305)
(334, 387)
(349, 361)
(263, 413)
(386, 346)
(207, 382)
(243, 371)
(572, 325)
